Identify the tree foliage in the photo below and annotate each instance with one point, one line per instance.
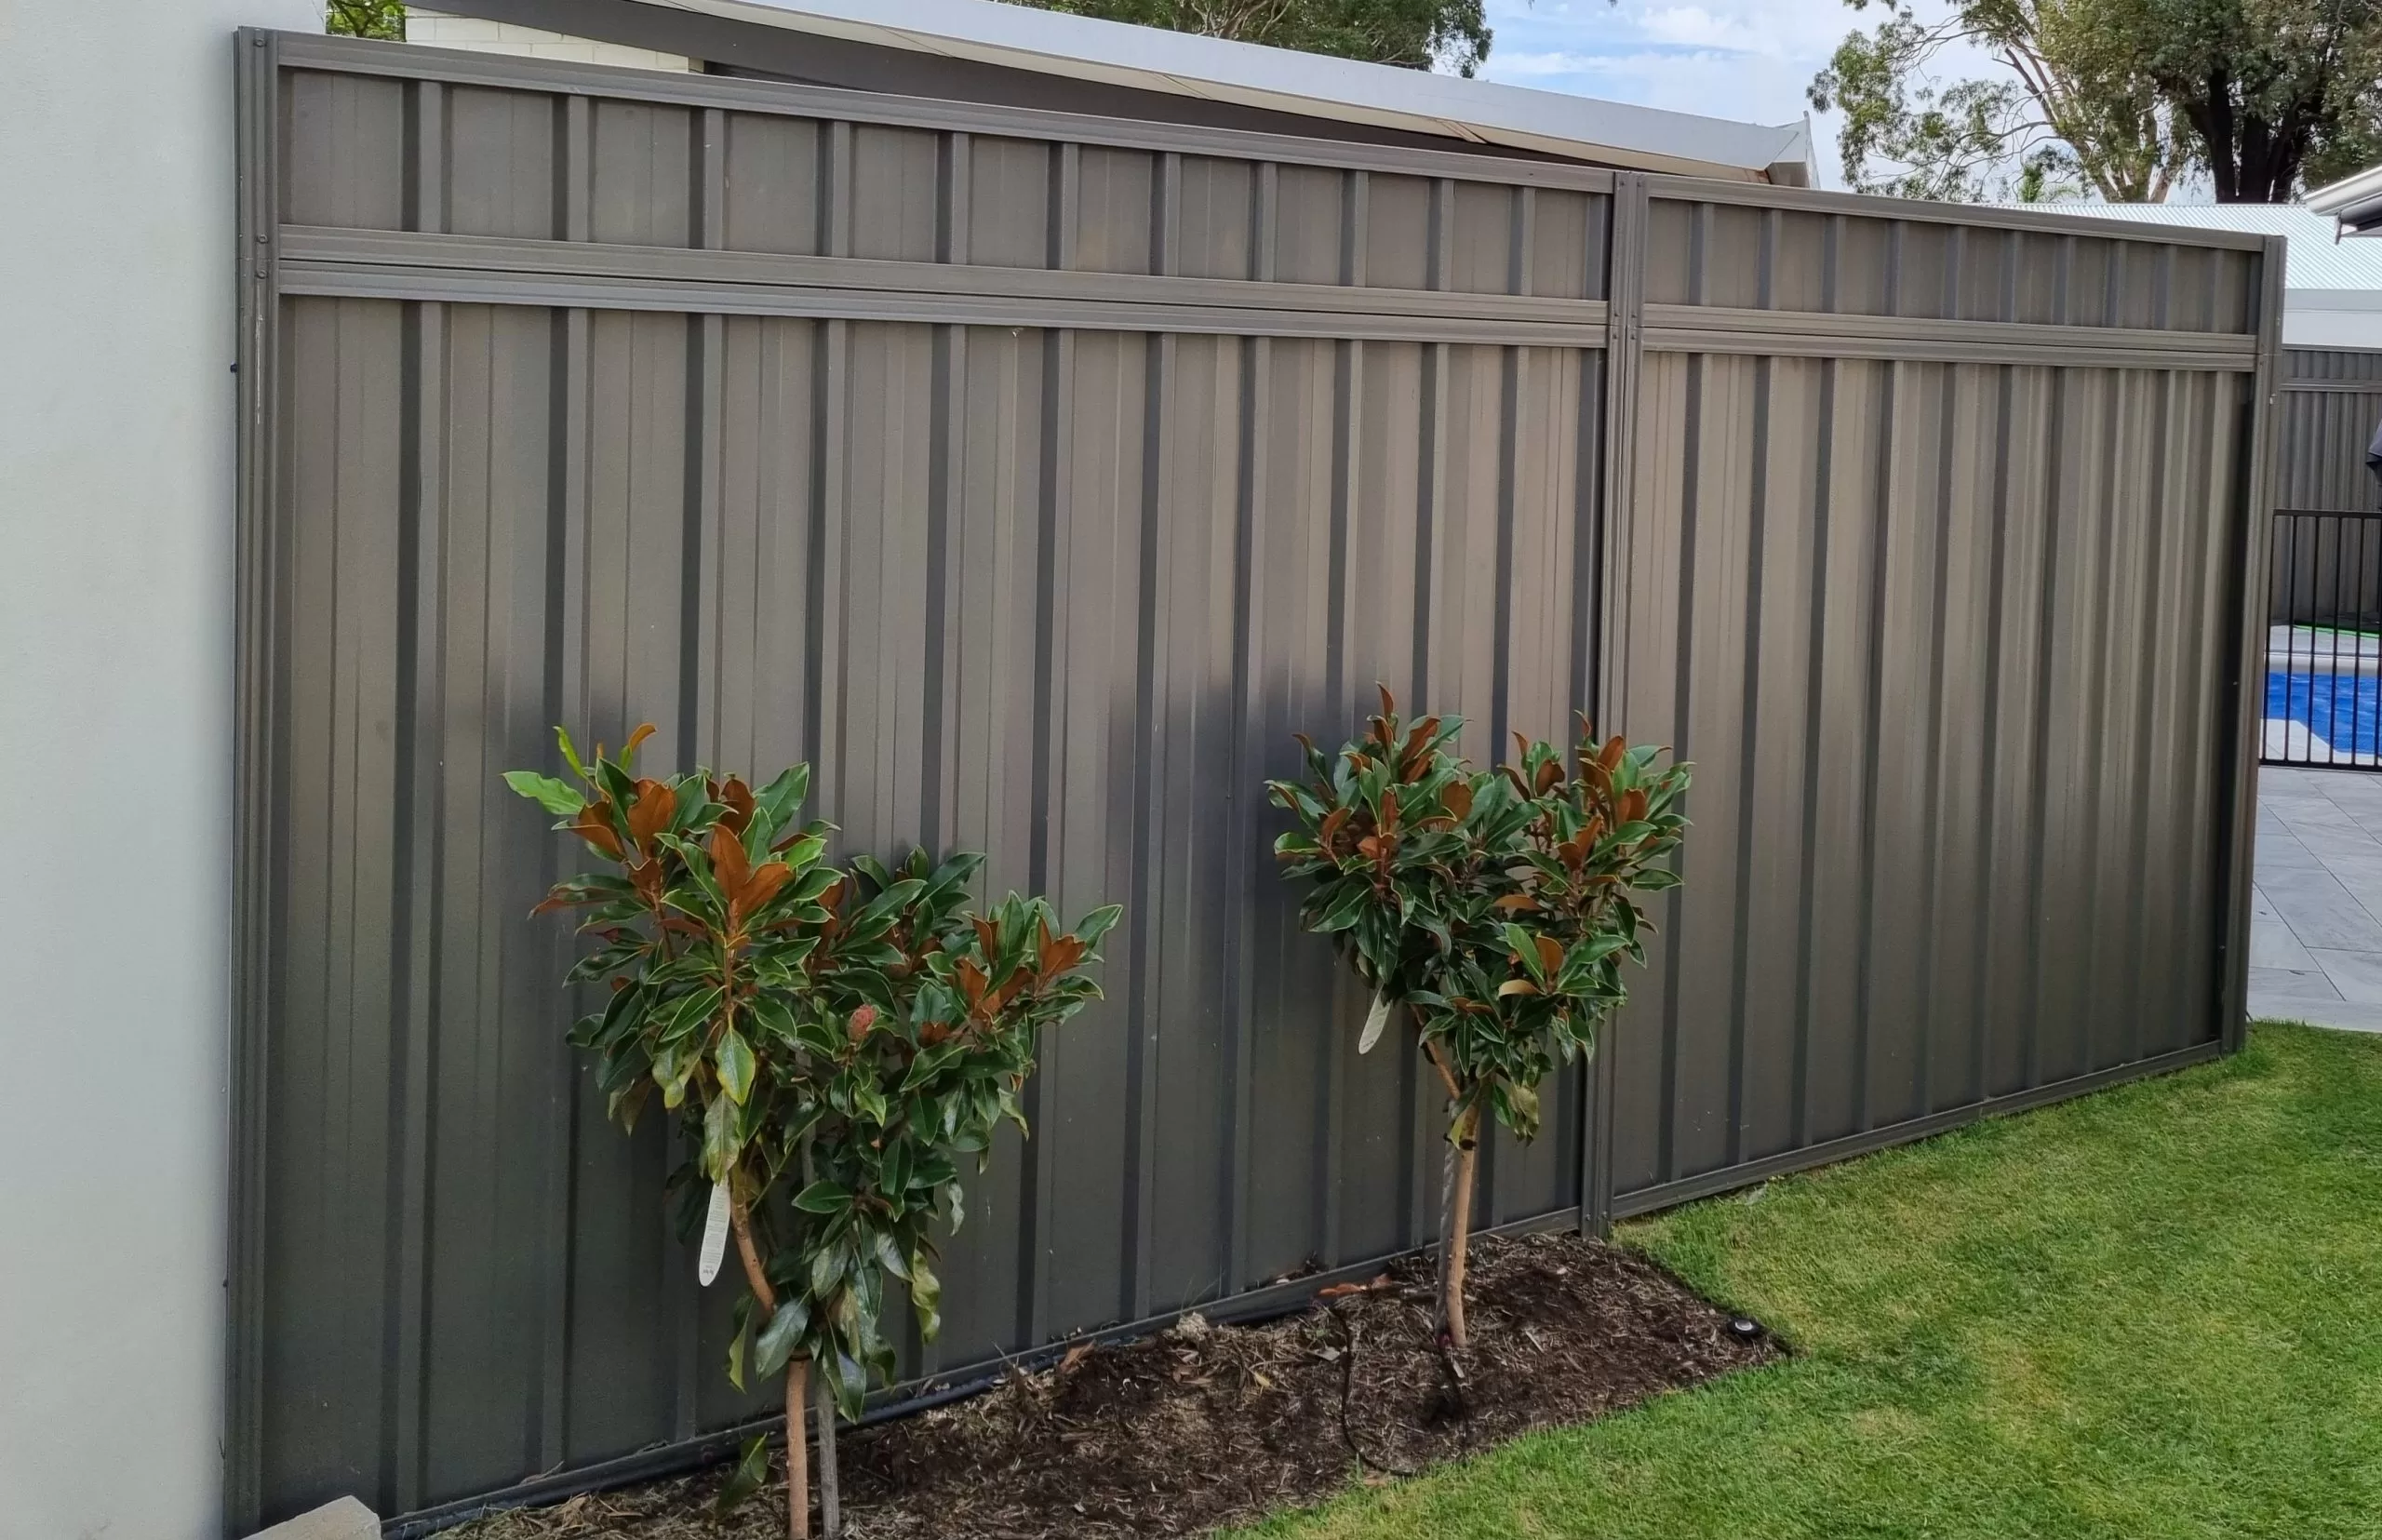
(381, 18)
(1420, 34)
(2115, 98)
(1496, 907)
(831, 1042)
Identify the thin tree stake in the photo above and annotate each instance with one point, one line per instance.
(831, 1516)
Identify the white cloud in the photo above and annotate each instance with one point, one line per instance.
(1695, 27)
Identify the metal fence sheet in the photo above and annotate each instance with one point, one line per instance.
(1037, 480)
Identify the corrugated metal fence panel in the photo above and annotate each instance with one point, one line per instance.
(1947, 642)
(2331, 404)
(1036, 476)
(1059, 589)
(2330, 407)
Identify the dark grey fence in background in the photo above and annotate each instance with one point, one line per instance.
(2329, 406)
(1036, 476)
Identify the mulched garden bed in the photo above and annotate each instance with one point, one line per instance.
(1207, 1426)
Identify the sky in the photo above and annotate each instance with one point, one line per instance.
(1748, 59)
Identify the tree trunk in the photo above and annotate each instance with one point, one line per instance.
(798, 1377)
(1468, 1157)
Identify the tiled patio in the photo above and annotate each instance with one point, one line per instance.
(2316, 919)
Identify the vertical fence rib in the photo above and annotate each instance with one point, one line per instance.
(1625, 362)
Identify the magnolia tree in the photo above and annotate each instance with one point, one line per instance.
(832, 1043)
(1496, 907)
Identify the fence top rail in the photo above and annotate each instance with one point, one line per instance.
(1973, 216)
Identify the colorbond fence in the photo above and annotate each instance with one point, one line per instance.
(2325, 570)
(1036, 476)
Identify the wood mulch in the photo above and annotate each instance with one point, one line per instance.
(1207, 1425)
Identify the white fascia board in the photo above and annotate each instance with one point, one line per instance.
(1278, 79)
(2332, 299)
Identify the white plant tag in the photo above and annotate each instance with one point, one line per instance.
(715, 1236)
(1374, 1021)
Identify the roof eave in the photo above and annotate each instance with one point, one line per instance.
(2355, 202)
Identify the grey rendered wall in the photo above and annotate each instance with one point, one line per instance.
(1037, 476)
(116, 657)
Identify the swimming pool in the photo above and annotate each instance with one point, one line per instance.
(2343, 711)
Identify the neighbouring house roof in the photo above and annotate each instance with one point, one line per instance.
(985, 32)
(2324, 270)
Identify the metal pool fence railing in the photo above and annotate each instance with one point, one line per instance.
(2323, 699)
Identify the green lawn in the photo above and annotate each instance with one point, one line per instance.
(2152, 1312)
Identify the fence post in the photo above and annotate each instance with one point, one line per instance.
(256, 66)
(1624, 352)
(2246, 681)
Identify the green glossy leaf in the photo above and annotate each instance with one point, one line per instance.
(740, 1342)
(751, 1474)
(1097, 923)
(780, 1335)
(824, 1197)
(556, 796)
(733, 1058)
(721, 1143)
(926, 1296)
(569, 753)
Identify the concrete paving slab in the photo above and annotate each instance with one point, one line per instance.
(2277, 851)
(2316, 902)
(2291, 984)
(2358, 975)
(344, 1518)
(2272, 946)
(2320, 912)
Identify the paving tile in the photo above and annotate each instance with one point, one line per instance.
(2354, 790)
(2284, 781)
(2262, 907)
(2275, 789)
(2357, 870)
(2325, 823)
(2319, 911)
(2277, 852)
(2290, 983)
(2271, 822)
(2273, 946)
(2358, 975)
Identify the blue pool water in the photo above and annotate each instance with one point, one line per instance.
(2344, 709)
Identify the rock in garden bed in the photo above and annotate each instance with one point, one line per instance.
(1207, 1426)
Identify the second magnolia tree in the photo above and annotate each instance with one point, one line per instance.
(1494, 905)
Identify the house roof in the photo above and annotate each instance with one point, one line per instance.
(2321, 265)
(1478, 111)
